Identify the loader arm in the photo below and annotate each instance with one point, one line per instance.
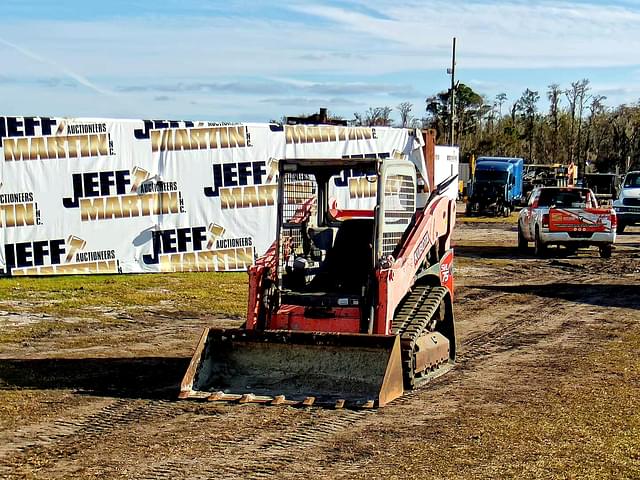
(430, 235)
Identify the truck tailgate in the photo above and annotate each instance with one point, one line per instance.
(590, 220)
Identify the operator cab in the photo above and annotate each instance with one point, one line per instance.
(328, 242)
(326, 248)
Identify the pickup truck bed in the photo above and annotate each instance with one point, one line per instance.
(566, 216)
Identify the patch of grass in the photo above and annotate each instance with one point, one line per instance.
(511, 219)
(19, 407)
(15, 405)
(36, 330)
(586, 426)
(191, 294)
(580, 421)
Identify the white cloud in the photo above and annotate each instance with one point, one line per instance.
(505, 34)
(370, 53)
(57, 67)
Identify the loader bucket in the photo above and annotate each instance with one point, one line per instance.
(295, 368)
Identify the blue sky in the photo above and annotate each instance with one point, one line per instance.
(237, 60)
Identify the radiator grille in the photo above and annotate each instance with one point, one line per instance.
(400, 206)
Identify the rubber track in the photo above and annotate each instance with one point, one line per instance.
(408, 308)
(412, 319)
(426, 311)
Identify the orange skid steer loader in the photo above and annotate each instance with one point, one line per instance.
(349, 307)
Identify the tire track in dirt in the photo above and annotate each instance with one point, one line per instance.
(276, 449)
(267, 457)
(505, 336)
(509, 333)
(264, 458)
(509, 323)
(42, 435)
(270, 458)
(67, 437)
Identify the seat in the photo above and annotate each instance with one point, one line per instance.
(348, 263)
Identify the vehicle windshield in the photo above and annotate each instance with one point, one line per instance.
(569, 198)
(632, 180)
(353, 189)
(491, 176)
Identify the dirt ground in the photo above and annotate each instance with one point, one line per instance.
(546, 385)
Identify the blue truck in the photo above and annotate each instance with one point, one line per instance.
(497, 185)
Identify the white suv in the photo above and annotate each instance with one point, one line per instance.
(627, 206)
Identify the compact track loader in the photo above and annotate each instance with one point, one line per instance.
(350, 306)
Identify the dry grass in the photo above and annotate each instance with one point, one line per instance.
(585, 426)
(578, 422)
(38, 329)
(511, 219)
(80, 296)
(18, 407)
(571, 414)
(64, 303)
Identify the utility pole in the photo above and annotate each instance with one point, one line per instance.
(452, 71)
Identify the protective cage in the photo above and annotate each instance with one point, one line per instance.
(299, 202)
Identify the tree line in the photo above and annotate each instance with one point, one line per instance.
(578, 127)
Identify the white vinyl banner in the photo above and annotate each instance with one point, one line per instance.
(121, 196)
(446, 164)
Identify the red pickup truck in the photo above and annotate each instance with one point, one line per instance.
(566, 216)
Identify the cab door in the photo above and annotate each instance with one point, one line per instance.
(396, 204)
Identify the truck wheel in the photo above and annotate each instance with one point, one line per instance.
(605, 251)
(539, 248)
(468, 212)
(522, 241)
(620, 228)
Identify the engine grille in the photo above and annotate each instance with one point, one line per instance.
(400, 202)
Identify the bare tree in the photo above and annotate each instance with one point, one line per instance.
(515, 108)
(576, 98)
(553, 94)
(418, 123)
(572, 96)
(374, 117)
(596, 108)
(405, 113)
(528, 102)
(582, 100)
